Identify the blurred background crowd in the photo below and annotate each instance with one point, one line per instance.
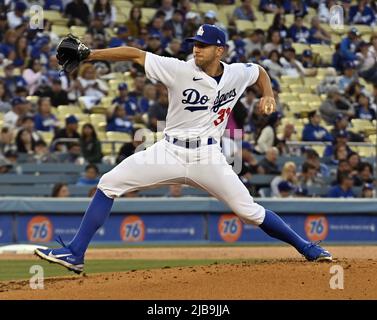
(321, 141)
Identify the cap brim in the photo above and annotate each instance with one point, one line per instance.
(192, 39)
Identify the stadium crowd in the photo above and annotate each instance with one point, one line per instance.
(324, 81)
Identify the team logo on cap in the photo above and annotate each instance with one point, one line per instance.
(200, 31)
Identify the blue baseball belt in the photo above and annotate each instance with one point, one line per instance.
(189, 143)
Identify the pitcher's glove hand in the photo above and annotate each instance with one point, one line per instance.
(70, 52)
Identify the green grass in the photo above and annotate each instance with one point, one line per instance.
(19, 269)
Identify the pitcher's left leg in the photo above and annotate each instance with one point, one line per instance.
(221, 181)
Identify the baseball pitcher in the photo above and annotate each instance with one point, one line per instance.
(202, 93)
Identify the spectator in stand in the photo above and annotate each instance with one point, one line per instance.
(295, 7)
(367, 191)
(60, 190)
(6, 140)
(313, 131)
(268, 165)
(312, 157)
(73, 154)
(307, 59)
(90, 177)
(342, 125)
(167, 8)
(354, 162)
(273, 65)
(340, 139)
(90, 87)
(78, 13)
(273, 42)
(298, 32)
(21, 50)
(349, 44)
(33, 75)
(249, 162)
(155, 27)
(176, 24)
(285, 190)
(366, 61)
(159, 110)
(19, 108)
(119, 121)
(292, 66)
(58, 96)
(107, 10)
(344, 188)
(361, 13)
(154, 44)
(349, 76)
(17, 17)
(308, 177)
(254, 41)
(134, 24)
(175, 191)
(149, 98)
(8, 47)
(5, 106)
(11, 81)
(69, 132)
(173, 50)
(288, 174)
(90, 145)
(56, 5)
(279, 24)
(25, 142)
(363, 109)
(42, 154)
(270, 6)
(129, 148)
(365, 173)
(244, 11)
(44, 119)
(123, 100)
(334, 105)
(318, 35)
(324, 10)
(137, 94)
(267, 137)
(27, 122)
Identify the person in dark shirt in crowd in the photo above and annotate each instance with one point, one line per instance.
(90, 177)
(129, 148)
(78, 13)
(57, 94)
(361, 13)
(159, 110)
(70, 131)
(344, 188)
(313, 131)
(341, 125)
(365, 173)
(312, 157)
(90, 145)
(268, 165)
(11, 81)
(348, 45)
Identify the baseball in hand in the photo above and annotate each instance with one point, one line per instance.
(267, 105)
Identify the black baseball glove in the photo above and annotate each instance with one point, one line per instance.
(70, 52)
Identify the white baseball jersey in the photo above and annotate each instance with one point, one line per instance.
(198, 106)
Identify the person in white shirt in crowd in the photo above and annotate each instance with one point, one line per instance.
(275, 68)
(13, 117)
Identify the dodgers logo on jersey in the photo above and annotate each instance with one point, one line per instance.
(223, 99)
(197, 102)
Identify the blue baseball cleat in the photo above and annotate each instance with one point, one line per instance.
(62, 256)
(313, 252)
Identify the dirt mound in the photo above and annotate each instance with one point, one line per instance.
(278, 274)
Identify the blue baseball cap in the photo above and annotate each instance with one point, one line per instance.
(122, 86)
(18, 100)
(71, 119)
(209, 34)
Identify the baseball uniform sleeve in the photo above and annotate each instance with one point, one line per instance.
(252, 73)
(162, 69)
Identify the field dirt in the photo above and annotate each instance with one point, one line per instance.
(279, 273)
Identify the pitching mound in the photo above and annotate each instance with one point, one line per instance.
(277, 276)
